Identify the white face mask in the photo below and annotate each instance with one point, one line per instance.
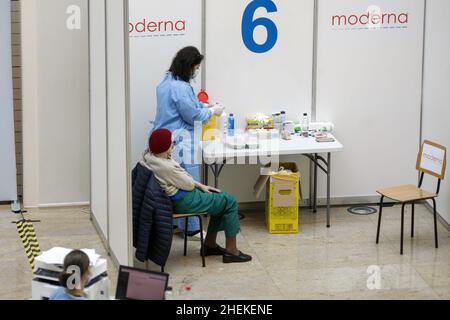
(196, 73)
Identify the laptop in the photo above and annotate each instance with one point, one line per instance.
(137, 284)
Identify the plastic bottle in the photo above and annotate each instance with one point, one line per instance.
(283, 116)
(231, 125)
(305, 125)
(223, 125)
(168, 295)
(277, 121)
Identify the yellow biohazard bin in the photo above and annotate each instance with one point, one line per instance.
(282, 191)
(209, 129)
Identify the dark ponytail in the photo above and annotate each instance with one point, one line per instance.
(75, 258)
(184, 62)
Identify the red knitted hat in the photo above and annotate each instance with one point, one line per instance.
(160, 141)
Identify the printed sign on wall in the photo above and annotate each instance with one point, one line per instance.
(371, 18)
(259, 56)
(250, 24)
(369, 68)
(158, 29)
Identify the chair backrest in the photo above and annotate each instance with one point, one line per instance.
(432, 159)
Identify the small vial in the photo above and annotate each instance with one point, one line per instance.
(305, 125)
(283, 116)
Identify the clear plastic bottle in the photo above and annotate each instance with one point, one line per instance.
(283, 116)
(168, 295)
(305, 125)
(223, 125)
(231, 125)
(277, 121)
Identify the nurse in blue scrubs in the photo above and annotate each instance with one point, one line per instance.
(180, 111)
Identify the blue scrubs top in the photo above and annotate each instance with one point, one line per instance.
(179, 110)
(177, 106)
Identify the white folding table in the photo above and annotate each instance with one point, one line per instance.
(216, 155)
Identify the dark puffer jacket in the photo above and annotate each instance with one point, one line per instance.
(152, 217)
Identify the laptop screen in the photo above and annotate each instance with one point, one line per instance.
(135, 284)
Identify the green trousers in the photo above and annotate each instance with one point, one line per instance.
(222, 208)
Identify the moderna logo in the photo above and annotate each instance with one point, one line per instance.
(434, 159)
(373, 19)
(161, 28)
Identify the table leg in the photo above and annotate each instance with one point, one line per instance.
(315, 184)
(311, 178)
(216, 175)
(216, 170)
(328, 189)
(205, 174)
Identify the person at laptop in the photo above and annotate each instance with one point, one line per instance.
(190, 196)
(73, 284)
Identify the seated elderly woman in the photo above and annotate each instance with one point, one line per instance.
(190, 196)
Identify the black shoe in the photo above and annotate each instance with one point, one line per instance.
(230, 258)
(217, 251)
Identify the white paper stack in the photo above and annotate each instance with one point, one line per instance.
(55, 256)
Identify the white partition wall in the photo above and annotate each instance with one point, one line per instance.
(99, 167)
(55, 90)
(8, 183)
(248, 76)
(436, 99)
(109, 125)
(119, 173)
(369, 73)
(158, 29)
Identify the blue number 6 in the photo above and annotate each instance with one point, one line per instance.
(249, 25)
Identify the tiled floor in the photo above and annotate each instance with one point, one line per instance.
(321, 263)
(317, 263)
(67, 227)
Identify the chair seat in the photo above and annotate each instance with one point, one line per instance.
(187, 215)
(406, 193)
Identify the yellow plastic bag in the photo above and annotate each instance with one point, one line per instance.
(209, 129)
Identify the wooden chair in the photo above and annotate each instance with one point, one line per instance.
(202, 241)
(432, 159)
